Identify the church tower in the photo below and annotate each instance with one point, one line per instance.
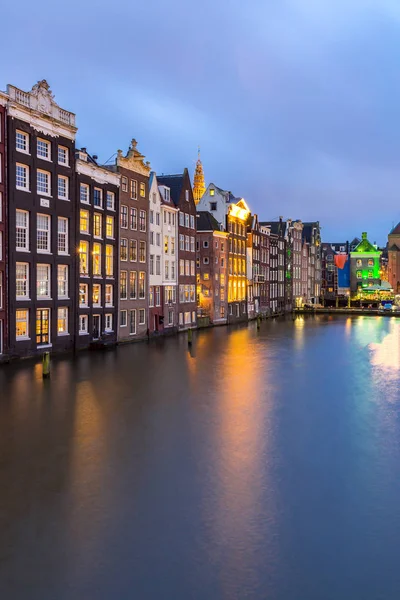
(199, 186)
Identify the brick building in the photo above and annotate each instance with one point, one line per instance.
(3, 228)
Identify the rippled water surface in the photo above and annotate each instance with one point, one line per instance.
(261, 465)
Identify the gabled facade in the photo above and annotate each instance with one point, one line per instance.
(278, 266)
(155, 253)
(133, 254)
(182, 196)
(364, 266)
(312, 236)
(393, 269)
(329, 282)
(264, 278)
(211, 269)
(257, 268)
(169, 260)
(3, 229)
(97, 241)
(41, 240)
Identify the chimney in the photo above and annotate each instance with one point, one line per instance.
(364, 235)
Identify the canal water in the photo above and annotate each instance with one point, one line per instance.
(259, 465)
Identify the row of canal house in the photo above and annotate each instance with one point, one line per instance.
(93, 253)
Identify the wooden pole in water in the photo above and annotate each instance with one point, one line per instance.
(46, 365)
(190, 337)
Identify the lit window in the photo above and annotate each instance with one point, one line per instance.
(359, 262)
(359, 275)
(63, 156)
(370, 262)
(97, 225)
(43, 233)
(133, 250)
(110, 227)
(62, 281)
(62, 235)
(43, 182)
(84, 193)
(22, 230)
(63, 187)
(22, 142)
(142, 285)
(133, 219)
(370, 275)
(42, 326)
(62, 321)
(84, 221)
(123, 285)
(143, 190)
(22, 281)
(142, 220)
(158, 296)
(110, 201)
(22, 324)
(142, 251)
(109, 261)
(43, 149)
(212, 192)
(124, 249)
(133, 285)
(84, 258)
(96, 259)
(43, 281)
(151, 296)
(109, 295)
(96, 294)
(22, 177)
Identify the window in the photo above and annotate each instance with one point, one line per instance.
(84, 193)
(109, 322)
(124, 249)
(213, 205)
(109, 295)
(43, 182)
(187, 243)
(62, 321)
(96, 259)
(142, 251)
(124, 184)
(158, 265)
(97, 225)
(123, 318)
(158, 239)
(173, 270)
(157, 218)
(206, 276)
(142, 317)
(359, 275)
(22, 230)
(187, 195)
(212, 192)
(22, 280)
(158, 296)
(192, 221)
(329, 257)
(182, 219)
(110, 201)
(192, 268)
(142, 285)
(151, 264)
(96, 294)
(134, 189)
(43, 281)
(133, 250)
(63, 156)
(22, 177)
(123, 281)
(206, 260)
(181, 267)
(186, 220)
(124, 217)
(170, 317)
(187, 267)
(84, 258)
(84, 221)
(22, 141)
(370, 275)
(152, 238)
(22, 324)
(166, 269)
(187, 318)
(151, 296)
(192, 244)
(193, 317)
(63, 187)
(143, 190)
(98, 197)
(133, 285)
(359, 262)
(166, 244)
(134, 219)
(180, 318)
(181, 242)
(192, 293)
(172, 245)
(62, 236)
(142, 220)
(83, 324)
(132, 322)
(42, 326)
(152, 216)
(43, 149)
(370, 262)
(110, 227)
(43, 233)
(62, 281)
(109, 261)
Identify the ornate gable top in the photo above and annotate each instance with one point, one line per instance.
(134, 160)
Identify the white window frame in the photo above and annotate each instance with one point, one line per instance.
(66, 187)
(108, 322)
(86, 294)
(63, 281)
(83, 319)
(66, 332)
(65, 151)
(125, 313)
(46, 250)
(25, 296)
(24, 228)
(26, 320)
(64, 235)
(47, 269)
(48, 184)
(110, 195)
(47, 144)
(96, 304)
(25, 136)
(110, 237)
(142, 312)
(86, 187)
(24, 188)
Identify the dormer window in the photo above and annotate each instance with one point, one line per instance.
(212, 191)
(187, 195)
(167, 195)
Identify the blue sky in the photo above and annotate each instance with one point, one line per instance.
(294, 103)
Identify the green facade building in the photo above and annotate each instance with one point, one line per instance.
(364, 266)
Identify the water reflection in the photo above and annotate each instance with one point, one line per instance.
(386, 354)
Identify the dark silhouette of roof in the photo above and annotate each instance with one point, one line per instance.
(395, 229)
(206, 222)
(276, 227)
(175, 183)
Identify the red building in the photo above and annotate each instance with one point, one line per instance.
(211, 269)
(3, 230)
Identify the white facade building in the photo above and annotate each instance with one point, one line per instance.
(169, 257)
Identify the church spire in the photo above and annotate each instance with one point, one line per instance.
(199, 186)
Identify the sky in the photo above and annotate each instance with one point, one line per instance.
(294, 103)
